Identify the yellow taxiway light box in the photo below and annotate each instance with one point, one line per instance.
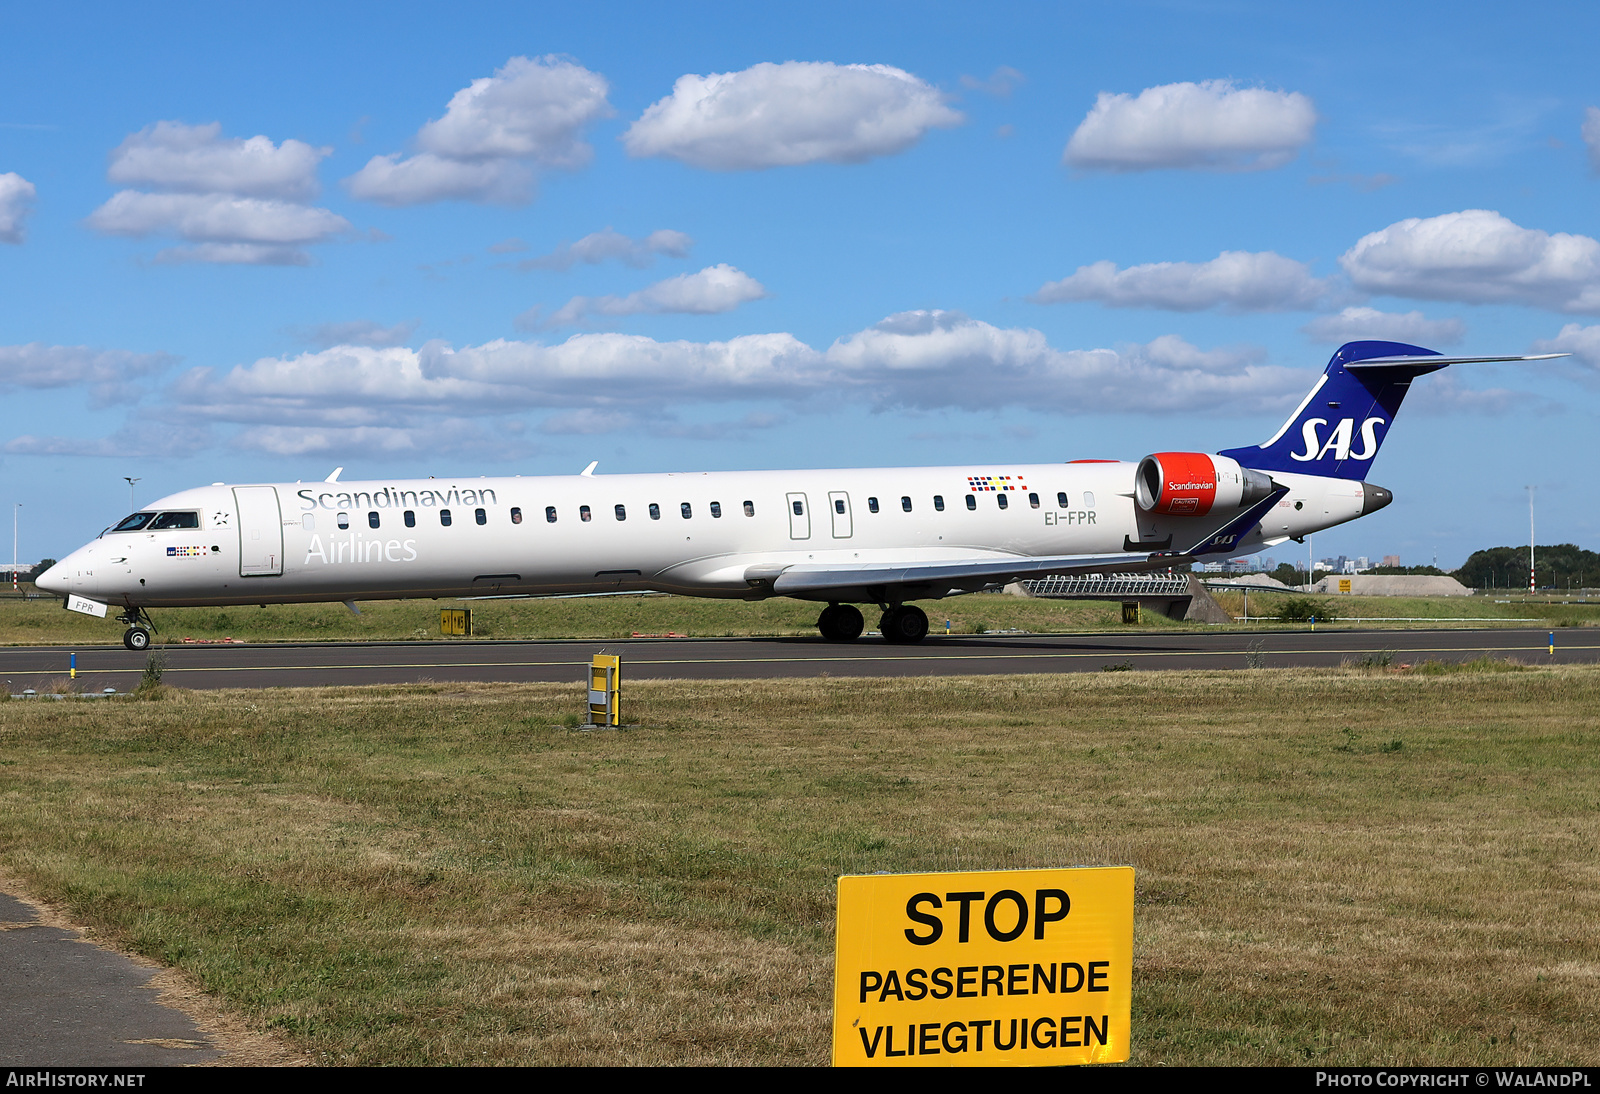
(995, 968)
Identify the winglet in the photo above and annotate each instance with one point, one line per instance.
(335, 476)
(589, 471)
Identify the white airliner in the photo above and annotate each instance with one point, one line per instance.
(883, 536)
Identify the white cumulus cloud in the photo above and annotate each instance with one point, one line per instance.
(945, 359)
(237, 201)
(356, 332)
(1582, 342)
(493, 136)
(597, 247)
(16, 202)
(1478, 257)
(715, 289)
(1361, 323)
(1211, 125)
(605, 382)
(112, 377)
(144, 438)
(198, 159)
(1237, 281)
(781, 115)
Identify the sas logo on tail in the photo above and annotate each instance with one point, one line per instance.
(1338, 441)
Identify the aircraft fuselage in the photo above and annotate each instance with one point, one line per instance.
(695, 534)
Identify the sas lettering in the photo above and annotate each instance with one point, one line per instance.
(1005, 914)
(1338, 441)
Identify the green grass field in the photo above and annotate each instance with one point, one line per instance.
(42, 621)
(1334, 867)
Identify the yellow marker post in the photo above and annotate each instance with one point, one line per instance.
(455, 621)
(998, 968)
(605, 690)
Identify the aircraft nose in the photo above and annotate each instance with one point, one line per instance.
(53, 580)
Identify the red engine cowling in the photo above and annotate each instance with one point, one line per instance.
(1191, 484)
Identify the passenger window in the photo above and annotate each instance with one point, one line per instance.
(1033, 500)
(799, 508)
(838, 505)
(444, 517)
(716, 509)
(622, 512)
(411, 518)
(972, 502)
(872, 505)
(749, 508)
(309, 522)
(344, 520)
(685, 510)
(655, 511)
(516, 514)
(478, 515)
(1001, 498)
(1088, 499)
(550, 513)
(584, 514)
(372, 519)
(905, 503)
(1061, 499)
(938, 502)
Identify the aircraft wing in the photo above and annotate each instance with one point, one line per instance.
(931, 580)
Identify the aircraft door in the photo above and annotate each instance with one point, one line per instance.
(839, 503)
(260, 531)
(799, 517)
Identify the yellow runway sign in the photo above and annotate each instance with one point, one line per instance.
(999, 968)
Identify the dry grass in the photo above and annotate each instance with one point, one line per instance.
(440, 874)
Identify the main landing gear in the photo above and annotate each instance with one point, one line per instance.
(840, 623)
(902, 624)
(137, 636)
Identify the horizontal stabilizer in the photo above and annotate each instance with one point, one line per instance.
(1437, 361)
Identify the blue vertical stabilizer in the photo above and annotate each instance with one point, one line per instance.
(1337, 430)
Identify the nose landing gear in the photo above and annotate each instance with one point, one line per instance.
(137, 636)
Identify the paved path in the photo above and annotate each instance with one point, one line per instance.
(100, 667)
(68, 1003)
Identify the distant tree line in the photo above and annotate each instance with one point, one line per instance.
(1558, 565)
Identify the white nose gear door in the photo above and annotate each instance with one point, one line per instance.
(260, 531)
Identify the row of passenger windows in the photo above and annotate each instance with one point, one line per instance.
(685, 510)
(938, 502)
(481, 516)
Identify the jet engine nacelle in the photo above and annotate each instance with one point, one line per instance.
(1194, 483)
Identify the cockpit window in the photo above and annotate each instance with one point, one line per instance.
(134, 523)
(175, 520)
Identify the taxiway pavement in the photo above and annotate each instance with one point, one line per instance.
(295, 665)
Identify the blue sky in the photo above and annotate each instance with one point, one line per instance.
(256, 243)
